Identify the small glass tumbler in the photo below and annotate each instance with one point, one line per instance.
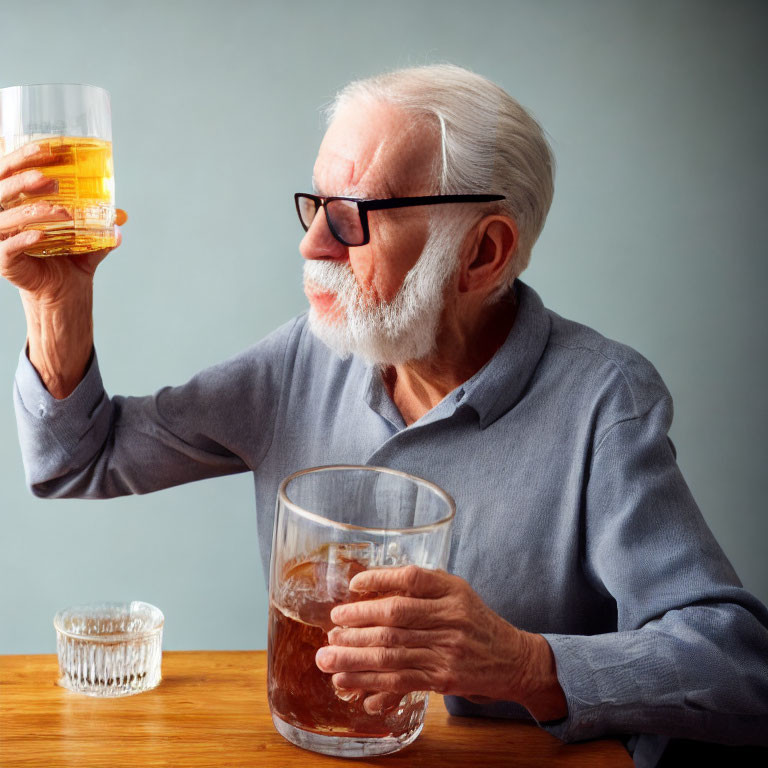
(109, 649)
(332, 523)
(72, 124)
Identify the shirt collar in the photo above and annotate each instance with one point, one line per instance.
(498, 385)
(376, 396)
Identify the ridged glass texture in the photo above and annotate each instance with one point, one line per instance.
(109, 649)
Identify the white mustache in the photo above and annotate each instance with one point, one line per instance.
(384, 332)
(335, 278)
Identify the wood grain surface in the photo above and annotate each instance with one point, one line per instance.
(211, 710)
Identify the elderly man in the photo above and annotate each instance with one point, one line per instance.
(585, 589)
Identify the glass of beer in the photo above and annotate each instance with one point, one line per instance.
(73, 124)
(330, 524)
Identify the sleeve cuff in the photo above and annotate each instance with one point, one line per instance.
(580, 689)
(612, 682)
(69, 419)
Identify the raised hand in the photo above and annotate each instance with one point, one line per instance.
(50, 279)
(57, 291)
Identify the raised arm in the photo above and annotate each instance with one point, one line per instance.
(75, 440)
(56, 292)
(89, 445)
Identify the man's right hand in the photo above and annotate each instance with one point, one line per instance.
(51, 279)
(56, 291)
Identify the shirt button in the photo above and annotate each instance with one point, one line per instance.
(41, 409)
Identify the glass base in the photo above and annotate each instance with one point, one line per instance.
(344, 746)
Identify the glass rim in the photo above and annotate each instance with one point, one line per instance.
(314, 517)
(112, 636)
(45, 85)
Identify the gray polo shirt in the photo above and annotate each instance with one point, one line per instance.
(573, 519)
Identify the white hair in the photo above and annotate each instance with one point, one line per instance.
(489, 144)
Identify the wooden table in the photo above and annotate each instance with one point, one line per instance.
(211, 710)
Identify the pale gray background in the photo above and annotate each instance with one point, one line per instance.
(656, 112)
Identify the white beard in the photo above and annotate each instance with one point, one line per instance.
(393, 332)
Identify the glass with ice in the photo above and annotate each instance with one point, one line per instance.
(330, 524)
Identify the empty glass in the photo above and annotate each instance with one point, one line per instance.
(332, 523)
(109, 649)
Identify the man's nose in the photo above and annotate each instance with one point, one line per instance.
(319, 243)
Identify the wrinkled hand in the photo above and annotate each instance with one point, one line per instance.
(437, 634)
(56, 292)
(45, 279)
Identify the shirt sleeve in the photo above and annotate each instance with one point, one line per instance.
(89, 445)
(690, 655)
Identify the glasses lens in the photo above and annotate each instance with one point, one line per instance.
(344, 218)
(307, 210)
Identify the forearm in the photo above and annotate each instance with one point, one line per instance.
(60, 338)
(91, 445)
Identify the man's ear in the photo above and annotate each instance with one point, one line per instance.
(495, 244)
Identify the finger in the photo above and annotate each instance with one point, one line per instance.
(403, 681)
(335, 658)
(380, 703)
(14, 220)
(383, 637)
(31, 182)
(28, 156)
(120, 217)
(407, 579)
(14, 246)
(389, 612)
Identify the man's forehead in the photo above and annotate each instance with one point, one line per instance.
(373, 153)
(335, 169)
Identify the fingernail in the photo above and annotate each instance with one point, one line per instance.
(32, 149)
(323, 658)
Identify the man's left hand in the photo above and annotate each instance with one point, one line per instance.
(436, 634)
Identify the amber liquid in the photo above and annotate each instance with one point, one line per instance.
(299, 693)
(84, 170)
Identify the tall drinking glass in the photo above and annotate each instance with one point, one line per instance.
(330, 524)
(74, 125)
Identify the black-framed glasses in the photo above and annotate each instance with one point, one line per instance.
(347, 217)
